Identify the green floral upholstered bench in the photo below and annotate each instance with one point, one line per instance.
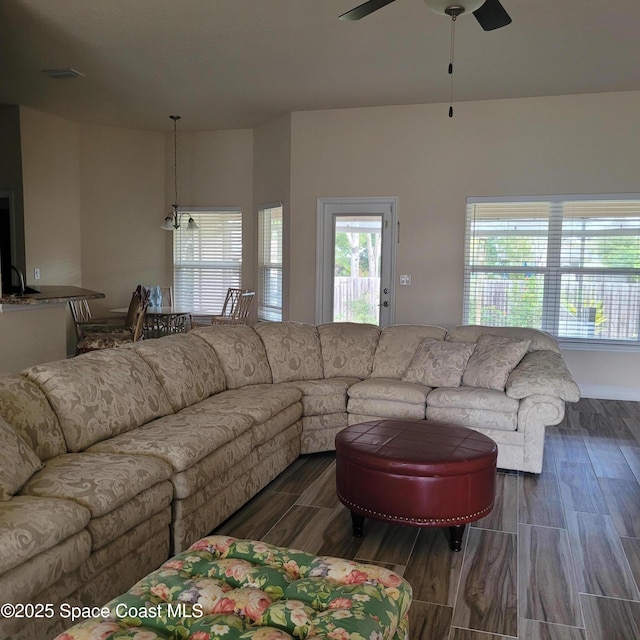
(225, 588)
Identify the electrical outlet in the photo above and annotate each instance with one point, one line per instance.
(36, 274)
(405, 280)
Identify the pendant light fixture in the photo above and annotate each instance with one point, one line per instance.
(172, 221)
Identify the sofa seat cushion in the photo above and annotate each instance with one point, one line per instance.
(385, 408)
(324, 397)
(324, 422)
(388, 398)
(101, 482)
(472, 398)
(29, 526)
(475, 418)
(216, 470)
(116, 523)
(261, 433)
(104, 558)
(470, 407)
(348, 349)
(25, 407)
(241, 354)
(397, 345)
(180, 439)
(258, 402)
(186, 366)
(100, 394)
(389, 389)
(293, 350)
(25, 582)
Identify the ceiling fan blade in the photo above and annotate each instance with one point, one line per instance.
(491, 15)
(365, 9)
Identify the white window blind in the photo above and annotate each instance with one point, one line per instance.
(270, 262)
(208, 260)
(568, 265)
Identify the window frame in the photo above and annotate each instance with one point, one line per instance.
(268, 308)
(553, 271)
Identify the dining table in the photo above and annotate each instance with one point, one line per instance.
(162, 321)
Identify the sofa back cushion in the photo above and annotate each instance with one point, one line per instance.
(493, 359)
(538, 340)
(293, 350)
(100, 394)
(348, 349)
(25, 407)
(185, 365)
(438, 363)
(397, 346)
(240, 352)
(17, 461)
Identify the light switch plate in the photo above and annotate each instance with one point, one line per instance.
(405, 280)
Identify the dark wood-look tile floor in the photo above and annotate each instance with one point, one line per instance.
(557, 559)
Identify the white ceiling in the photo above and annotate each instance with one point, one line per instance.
(224, 64)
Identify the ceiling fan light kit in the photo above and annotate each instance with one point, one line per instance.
(446, 7)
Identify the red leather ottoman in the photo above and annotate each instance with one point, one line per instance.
(416, 472)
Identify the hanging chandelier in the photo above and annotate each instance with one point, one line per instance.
(172, 221)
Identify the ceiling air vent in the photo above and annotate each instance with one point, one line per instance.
(62, 74)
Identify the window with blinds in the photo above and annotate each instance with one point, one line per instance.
(270, 262)
(207, 260)
(569, 265)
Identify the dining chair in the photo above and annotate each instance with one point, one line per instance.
(205, 320)
(105, 333)
(236, 307)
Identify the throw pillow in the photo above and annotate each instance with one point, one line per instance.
(492, 361)
(437, 363)
(17, 461)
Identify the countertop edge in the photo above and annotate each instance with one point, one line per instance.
(49, 294)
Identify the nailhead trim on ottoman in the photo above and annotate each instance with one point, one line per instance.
(224, 588)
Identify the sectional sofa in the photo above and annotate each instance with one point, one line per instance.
(113, 460)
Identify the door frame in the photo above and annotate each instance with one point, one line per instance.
(327, 210)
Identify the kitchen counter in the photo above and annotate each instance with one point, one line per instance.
(49, 294)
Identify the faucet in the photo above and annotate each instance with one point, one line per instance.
(21, 277)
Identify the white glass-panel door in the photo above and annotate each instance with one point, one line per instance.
(356, 260)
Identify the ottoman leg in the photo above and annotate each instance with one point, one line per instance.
(357, 522)
(455, 537)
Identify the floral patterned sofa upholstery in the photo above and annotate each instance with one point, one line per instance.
(224, 588)
(112, 460)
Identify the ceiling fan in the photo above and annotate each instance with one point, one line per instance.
(489, 13)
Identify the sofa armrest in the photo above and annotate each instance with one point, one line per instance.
(542, 373)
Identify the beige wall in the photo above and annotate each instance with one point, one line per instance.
(556, 145)
(51, 195)
(51, 177)
(272, 182)
(122, 188)
(215, 169)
